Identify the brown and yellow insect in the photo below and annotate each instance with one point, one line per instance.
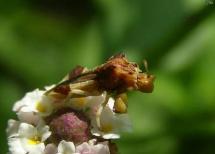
(116, 76)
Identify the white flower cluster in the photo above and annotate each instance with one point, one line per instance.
(32, 134)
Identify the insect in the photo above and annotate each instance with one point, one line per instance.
(116, 76)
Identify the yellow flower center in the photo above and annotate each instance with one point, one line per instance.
(81, 102)
(33, 141)
(106, 128)
(40, 107)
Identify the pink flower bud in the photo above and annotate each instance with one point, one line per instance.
(71, 126)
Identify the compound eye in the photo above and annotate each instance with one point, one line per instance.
(145, 84)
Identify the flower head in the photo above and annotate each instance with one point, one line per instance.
(71, 125)
(25, 138)
(33, 105)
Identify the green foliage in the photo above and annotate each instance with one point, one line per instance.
(40, 44)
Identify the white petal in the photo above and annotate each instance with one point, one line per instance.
(89, 148)
(66, 147)
(28, 108)
(29, 99)
(84, 148)
(46, 104)
(15, 146)
(12, 128)
(45, 133)
(27, 130)
(102, 148)
(110, 103)
(50, 149)
(32, 148)
(120, 122)
(123, 123)
(111, 136)
(28, 117)
(107, 116)
(107, 125)
(36, 149)
(95, 106)
(96, 101)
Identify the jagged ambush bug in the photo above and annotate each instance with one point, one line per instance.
(116, 76)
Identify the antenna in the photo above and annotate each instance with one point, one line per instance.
(145, 63)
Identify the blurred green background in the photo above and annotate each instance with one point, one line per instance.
(42, 40)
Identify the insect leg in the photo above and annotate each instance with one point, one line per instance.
(120, 105)
(100, 110)
(79, 92)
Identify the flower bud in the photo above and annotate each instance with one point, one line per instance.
(70, 126)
